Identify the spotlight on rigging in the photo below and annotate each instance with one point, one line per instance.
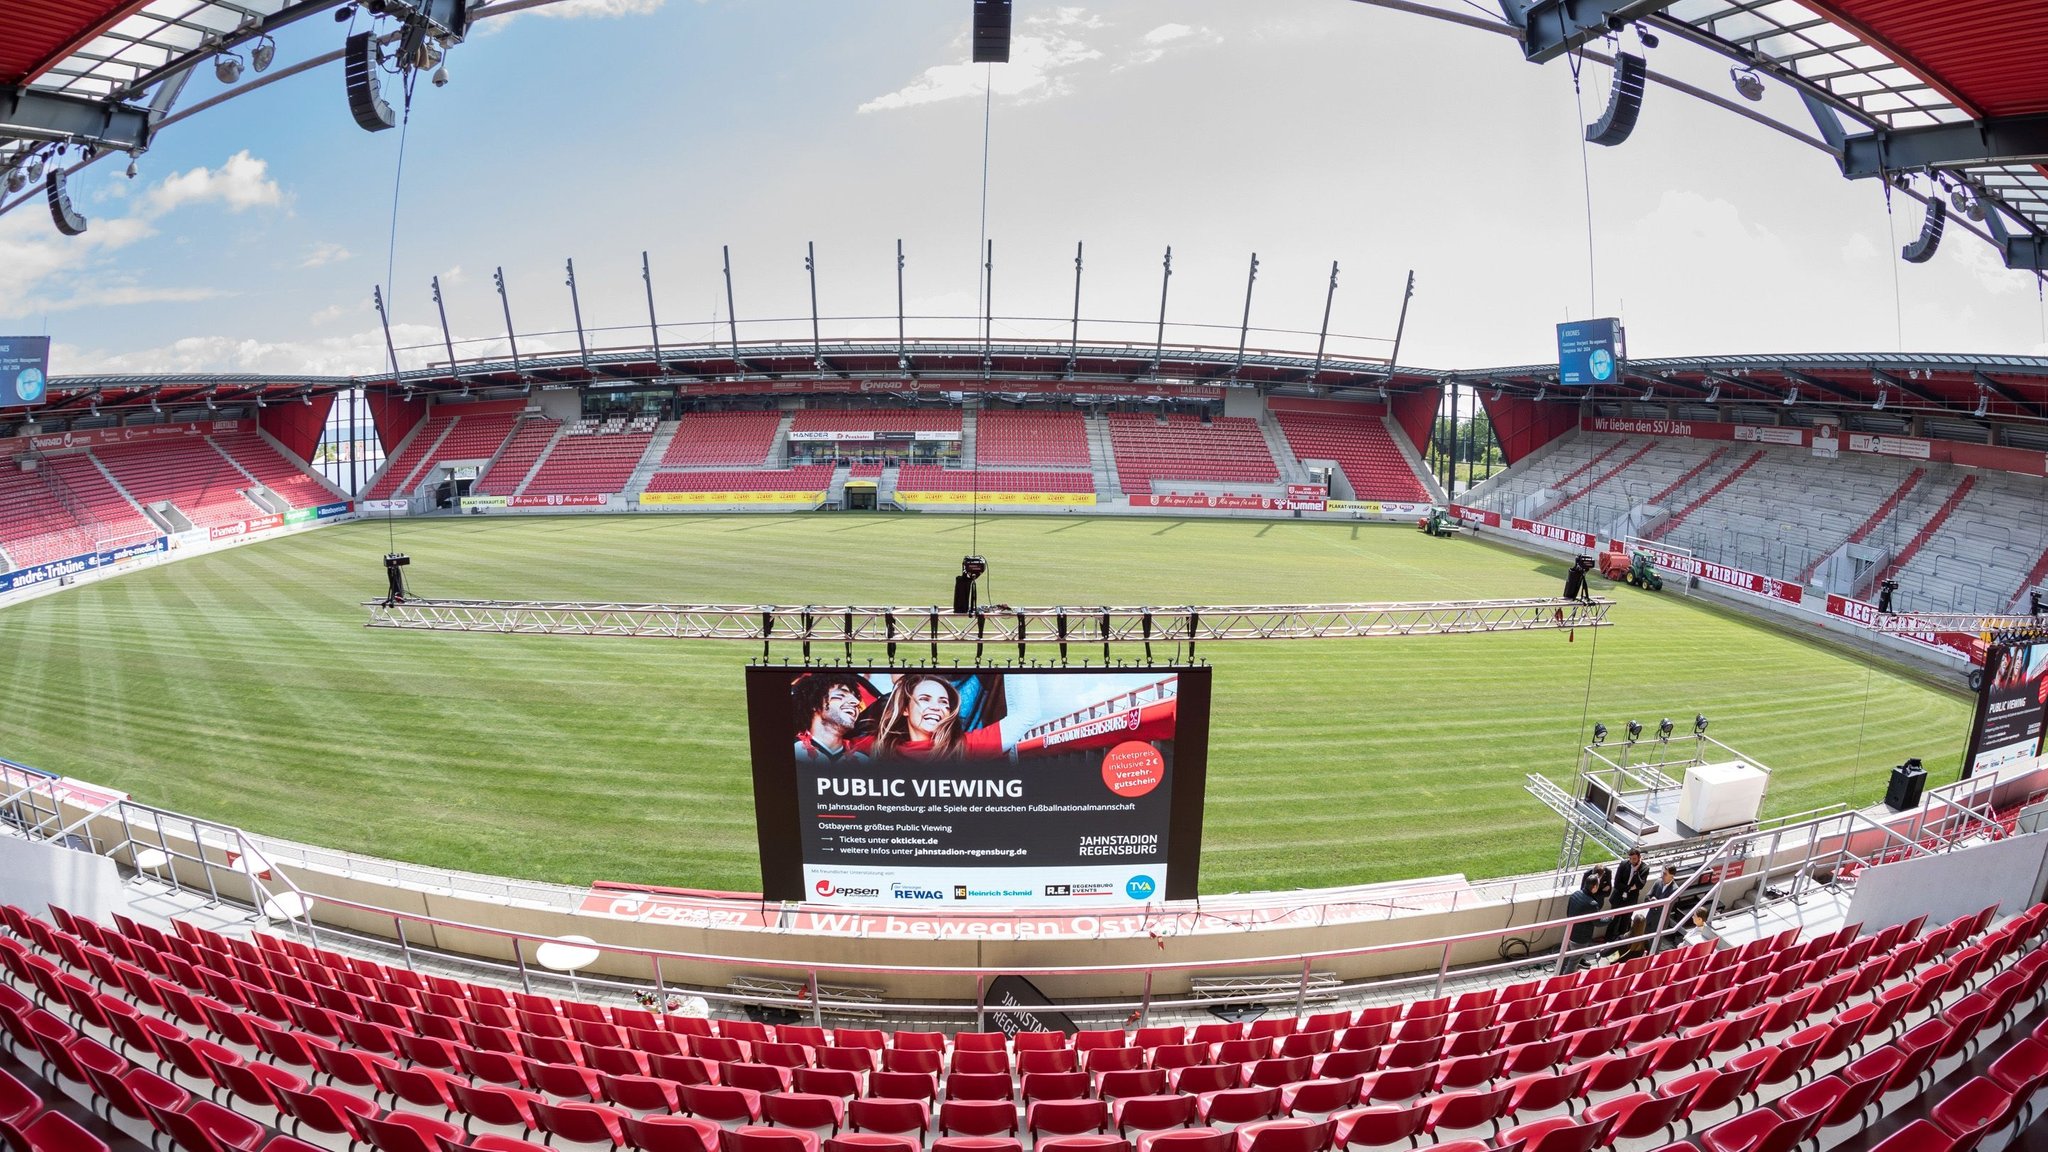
(1714, 393)
(1648, 38)
(971, 568)
(1883, 397)
(1624, 101)
(1664, 729)
(263, 53)
(1792, 396)
(35, 168)
(1923, 247)
(1748, 84)
(1599, 733)
(1542, 390)
(1635, 731)
(1983, 404)
(131, 168)
(16, 181)
(394, 577)
(1699, 724)
(366, 102)
(227, 67)
(1575, 579)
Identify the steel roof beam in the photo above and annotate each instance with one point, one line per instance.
(1551, 28)
(1999, 140)
(27, 113)
(1892, 380)
(1819, 385)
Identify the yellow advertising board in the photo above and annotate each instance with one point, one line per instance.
(729, 497)
(1018, 499)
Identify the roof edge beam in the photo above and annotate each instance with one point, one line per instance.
(1999, 140)
(30, 114)
(1551, 28)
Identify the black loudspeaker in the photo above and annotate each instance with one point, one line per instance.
(963, 594)
(365, 95)
(1924, 246)
(1908, 781)
(69, 222)
(1624, 101)
(991, 31)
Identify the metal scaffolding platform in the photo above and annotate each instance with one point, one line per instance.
(997, 625)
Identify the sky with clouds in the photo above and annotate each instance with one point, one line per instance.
(1306, 131)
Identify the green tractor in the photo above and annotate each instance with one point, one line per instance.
(1439, 522)
(1637, 569)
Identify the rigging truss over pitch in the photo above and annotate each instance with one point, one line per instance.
(997, 625)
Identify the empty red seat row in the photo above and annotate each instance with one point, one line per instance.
(932, 478)
(722, 439)
(806, 478)
(876, 420)
(262, 460)
(589, 464)
(1361, 446)
(1006, 437)
(516, 459)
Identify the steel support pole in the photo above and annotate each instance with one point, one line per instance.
(1165, 281)
(732, 322)
(511, 335)
(1244, 328)
(1329, 299)
(811, 267)
(447, 340)
(1074, 345)
(576, 309)
(988, 327)
(902, 344)
(653, 324)
(384, 318)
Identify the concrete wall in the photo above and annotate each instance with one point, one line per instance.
(38, 873)
(2008, 873)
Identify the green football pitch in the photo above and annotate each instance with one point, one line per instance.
(243, 687)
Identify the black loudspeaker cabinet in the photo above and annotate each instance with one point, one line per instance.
(1908, 781)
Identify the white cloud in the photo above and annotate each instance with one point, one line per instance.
(328, 315)
(571, 10)
(1985, 265)
(325, 252)
(1036, 71)
(240, 184)
(1858, 249)
(1154, 45)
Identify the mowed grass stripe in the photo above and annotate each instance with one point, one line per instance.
(243, 686)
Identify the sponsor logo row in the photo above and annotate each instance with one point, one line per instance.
(1139, 887)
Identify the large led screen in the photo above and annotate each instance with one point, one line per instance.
(2011, 707)
(915, 787)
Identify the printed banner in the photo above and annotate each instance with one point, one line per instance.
(77, 565)
(387, 507)
(559, 501)
(1246, 503)
(1015, 498)
(1553, 532)
(1377, 507)
(1857, 612)
(1753, 583)
(1308, 497)
(244, 527)
(1475, 515)
(731, 497)
(99, 437)
(1908, 447)
(1766, 434)
(484, 501)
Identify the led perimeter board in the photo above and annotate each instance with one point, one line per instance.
(2012, 708)
(923, 787)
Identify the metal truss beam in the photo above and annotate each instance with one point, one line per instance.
(1551, 28)
(926, 625)
(1956, 622)
(1999, 140)
(31, 114)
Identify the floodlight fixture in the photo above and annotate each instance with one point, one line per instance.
(1664, 729)
(1714, 393)
(1699, 724)
(1883, 397)
(1635, 731)
(1749, 84)
(441, 75)
(1983, 404)
(16, 181)
(1542, 390)
(1649, 39)
(35, 168)
(1599, 733)
(227, 67)
(1383, 393)
(306, 398)
(1649, 390)
(153, 405)
(131, 168)
(264, 51)
(1497, 390)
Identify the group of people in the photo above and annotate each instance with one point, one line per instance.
(1620, 888)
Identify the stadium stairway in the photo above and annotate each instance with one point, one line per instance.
(541, 460)
(1927, 532)
(410, 454)
(1873, 521)
(1292, 470)
(650, 460)
(970, 423)
(1586, 489)
(114, 482)
(1102, 462)
(1719, 486)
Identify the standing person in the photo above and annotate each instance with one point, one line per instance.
(1664, 889)
(1583, 902)
(1629, 878)
(828, 705)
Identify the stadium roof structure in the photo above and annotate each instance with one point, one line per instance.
(1956, 94)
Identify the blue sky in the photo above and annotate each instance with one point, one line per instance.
(1307, 130)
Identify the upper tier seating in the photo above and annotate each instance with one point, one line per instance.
(34, 527)
(1231, 450)
(188, 472)
(877, 420)
(1026, 438)
(591, 462)
(512, 464)
(1754, 1047)
(722, 440)
(932, 478)
(808, 478)
(868, 471)
(273, 471)
(474, 435)
(1361, 445)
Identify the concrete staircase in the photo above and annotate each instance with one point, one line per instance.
(835, 495)
(885, 488)
(1416, 463)
(1102, 461)
(643, 473)
(970, 418)
(278, 447)
(778, 451)
(1291, 470)
(148, 515)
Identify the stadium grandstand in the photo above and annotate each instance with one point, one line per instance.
(238, 914)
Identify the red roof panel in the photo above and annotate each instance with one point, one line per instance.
(36, 34)
(1988, 56)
